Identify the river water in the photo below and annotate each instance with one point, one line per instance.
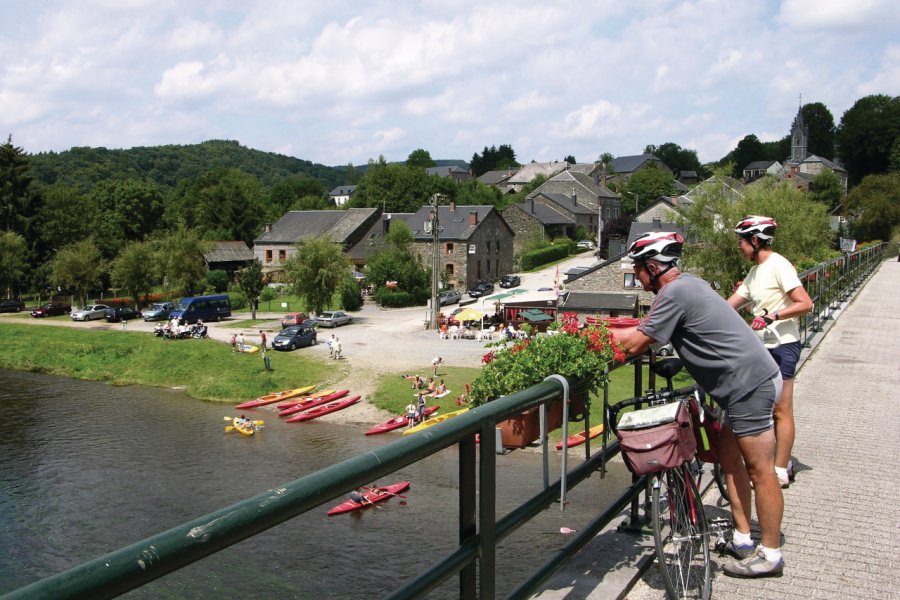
(87, 468)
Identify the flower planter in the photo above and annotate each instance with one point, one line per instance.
(523, 429)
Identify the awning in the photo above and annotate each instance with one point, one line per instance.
(536, 315)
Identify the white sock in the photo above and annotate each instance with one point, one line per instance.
(741, 539)
(773, 555)
(782, 472)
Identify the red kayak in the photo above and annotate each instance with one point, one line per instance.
(579, 438)
(613, 322)
(324, 409)
(369, 497)
(308, 403)
(293, 401)
(398, 422)
(276, 396)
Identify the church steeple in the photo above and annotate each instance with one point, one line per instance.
(799, 139)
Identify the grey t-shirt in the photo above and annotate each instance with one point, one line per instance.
(718, 349)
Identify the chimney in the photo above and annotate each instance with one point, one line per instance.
(657, 224)
(473, 217)
(574, 198)
(386, 223)
(453, 206)
(603, 179)
(268, 227)
(674, 199)
(532, 205)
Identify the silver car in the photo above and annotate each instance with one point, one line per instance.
(158, 312)
(333, 318)
(90, 312)
(451, 296)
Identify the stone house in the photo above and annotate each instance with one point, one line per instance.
(534, 219)
(528, 172)
(474, 243)
(498, 179)
(375, 238)
(457, 174)
(230, 256)
(760, 168)
(278, 241)
(341, 194)
(623, 167)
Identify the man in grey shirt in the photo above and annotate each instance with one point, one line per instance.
(729, 362)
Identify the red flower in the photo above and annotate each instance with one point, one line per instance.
(488, 358)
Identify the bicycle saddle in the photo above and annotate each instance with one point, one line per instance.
(668, 368)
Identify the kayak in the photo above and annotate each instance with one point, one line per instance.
(398, 422)
(246, 430)
(248, 349)
(434, 421)
(579, 438)
(293, 401)
(613, 322)
(308, 403)
(324, 409)
(276, 396)
(371, 496)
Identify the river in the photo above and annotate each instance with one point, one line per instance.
(87, 468)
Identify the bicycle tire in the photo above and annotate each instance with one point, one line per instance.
(719, 478)
(681, 535)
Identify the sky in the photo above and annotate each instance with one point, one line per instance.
(343, 82)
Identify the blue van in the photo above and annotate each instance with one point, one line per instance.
(208, 308)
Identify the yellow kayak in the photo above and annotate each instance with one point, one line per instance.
(248, 349)
(248, 429)
(434, 421)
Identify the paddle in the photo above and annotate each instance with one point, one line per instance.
(382, 491)
(356, 497)
(259, 422)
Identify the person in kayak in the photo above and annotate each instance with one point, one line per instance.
(357, 497)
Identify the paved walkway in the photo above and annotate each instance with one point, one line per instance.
(842, 515)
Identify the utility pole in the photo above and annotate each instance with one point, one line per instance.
(435, 258)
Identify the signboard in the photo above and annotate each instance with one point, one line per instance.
(471, 248)
(284, 305)
(848, 245)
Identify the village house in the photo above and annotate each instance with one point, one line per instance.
(341, 194)
(230, 256)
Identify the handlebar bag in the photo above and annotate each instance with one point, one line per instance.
(656, 438)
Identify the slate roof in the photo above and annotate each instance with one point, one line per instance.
(343, 190)
(585, 188)
(298, 225)
(454, 224)
(445, 171)
(545, 214)
(584, 301)
(532, 170)
(374, 239)
(496, 177)
(565, 202)
(229, 252)
(624, 165)
(594, 268)
(760, 164)
(831, 165)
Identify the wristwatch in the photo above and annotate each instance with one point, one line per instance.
(776, 315)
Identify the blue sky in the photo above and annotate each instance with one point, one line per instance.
(342, 82)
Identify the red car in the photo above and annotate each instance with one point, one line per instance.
(51, 309)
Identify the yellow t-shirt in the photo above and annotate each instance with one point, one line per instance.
(767, 286)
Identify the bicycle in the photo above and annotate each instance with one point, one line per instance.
(681, 531)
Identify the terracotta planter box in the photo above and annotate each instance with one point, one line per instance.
(521, 430)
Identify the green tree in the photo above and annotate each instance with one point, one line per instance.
(867, 134)
(676, 158)
(135, 270)
(67, 216)
(827, 189)
(252, 283)
(712, 251)
(20, 202)
(180, 258)
(494, 159)
(124, 210)
(570, 159)
(315, 272)
(13, 262)
(397, 261)
(420, 159)
(78, 268)
(289, 193)
(398, 188)
(820, 123)
(648, 184)
(474, 192)
(223, 204)
(873, 207)
(217, 279)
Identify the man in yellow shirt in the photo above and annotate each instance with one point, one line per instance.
(774, 293)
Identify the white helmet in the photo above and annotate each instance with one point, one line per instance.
(662, 246)
(754, 225)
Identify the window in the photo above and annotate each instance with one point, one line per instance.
(449, 269)
(268, 256)
(449, 248)
(631, 281)
(282, 255)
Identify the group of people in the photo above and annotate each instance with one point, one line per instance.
(175, 329)
(334, 347)
(747, 370)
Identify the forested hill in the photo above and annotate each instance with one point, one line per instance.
(83, 167)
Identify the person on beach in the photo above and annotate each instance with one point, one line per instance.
(435, 363)
(410, 414)
(337, 348)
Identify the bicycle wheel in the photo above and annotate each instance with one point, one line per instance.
(719, 477)
(681, 533)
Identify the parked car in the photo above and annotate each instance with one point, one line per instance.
(482, 288)
(159, 311)
(510, 281)
(333, 318)
(449, 297)
(293, 337)
(11, 305)
(51, 309)
(121, 313)
(585, 245)
(297, 318)
(90, 312)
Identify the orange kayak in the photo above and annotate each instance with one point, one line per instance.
(580, 438)
(277, 396)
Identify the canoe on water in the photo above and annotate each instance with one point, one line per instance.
(295, 400)
(434, 421)
(325, 409)
(308, 403)
(370, 496)
(398, 422)
(277, 396)
(579, 438)
(247, 429)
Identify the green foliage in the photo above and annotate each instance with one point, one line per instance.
(123, 211)
(494, 159)
(389, 298)
(820, 123)
(78, 268)
(225, 204)
(20, 203)
(135, 270)
(867, 134)
(476, 193)
(239, 301)
(750, 149)
(67, 216)
(803, 229)
(351, 296)
(874, 207)
(181, 262)
(12, 261)
(217, 279)
(398, 188)
(420, 159)
(267, 294)
(677, 158)
(546, 255)
(315, 272)
(648, 184)
(827, 189)
(253, 284)
(397, 262)
(296, 193)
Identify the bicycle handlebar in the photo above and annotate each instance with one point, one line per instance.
(651, 398)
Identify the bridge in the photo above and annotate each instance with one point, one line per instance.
(840, 525)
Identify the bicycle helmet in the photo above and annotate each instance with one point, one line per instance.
(761, 227)
(662, 246)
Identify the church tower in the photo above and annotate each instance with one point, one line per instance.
(799, 139)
